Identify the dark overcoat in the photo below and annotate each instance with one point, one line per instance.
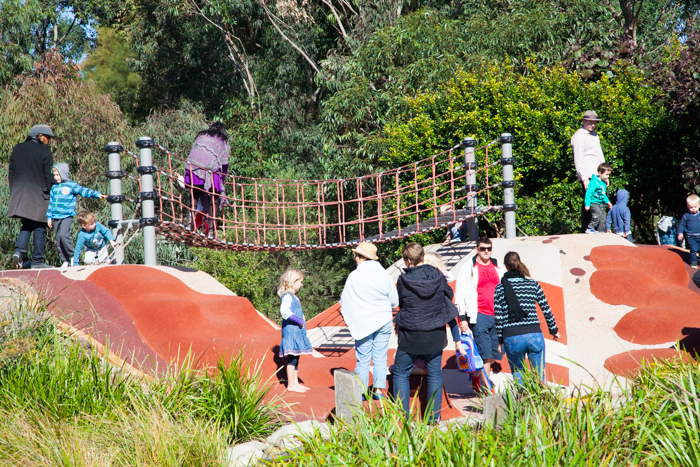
(30, 180)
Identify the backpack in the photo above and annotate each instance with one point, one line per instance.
(470, 361)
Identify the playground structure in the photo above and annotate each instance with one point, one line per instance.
(275, 214)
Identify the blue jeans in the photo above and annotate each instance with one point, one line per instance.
(403, 364)
(517, 347)
(28, 228)
(373, 347)
(693, 243)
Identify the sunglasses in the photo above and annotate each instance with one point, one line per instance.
(485, 248)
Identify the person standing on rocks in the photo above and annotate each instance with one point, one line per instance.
(588, 155)
(368, 297)
(30, 179)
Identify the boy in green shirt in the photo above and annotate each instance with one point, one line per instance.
(596, 198)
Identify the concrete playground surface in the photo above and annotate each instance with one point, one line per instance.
(615, 303)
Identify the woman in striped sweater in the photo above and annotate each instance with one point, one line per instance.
(517, 324)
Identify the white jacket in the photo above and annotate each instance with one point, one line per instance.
(466, 296)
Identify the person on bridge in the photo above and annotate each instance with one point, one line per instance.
(368, 297)
(425, 302)
(474, 298)
(588, 155)
(30, 179)
(205, 171)
(517, 323)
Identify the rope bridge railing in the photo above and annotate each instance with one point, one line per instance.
(275, 214)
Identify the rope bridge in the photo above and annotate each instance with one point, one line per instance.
(275, 214)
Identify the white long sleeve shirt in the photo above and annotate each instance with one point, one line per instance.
(588, 154)
(367, 299)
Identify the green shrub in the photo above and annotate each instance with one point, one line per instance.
(542, 109)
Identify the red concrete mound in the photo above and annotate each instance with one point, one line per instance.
(653, 326)
(627, 363)
(663, 266)
(89, 308)
(623, 286)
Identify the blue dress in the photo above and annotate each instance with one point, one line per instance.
(294, 339)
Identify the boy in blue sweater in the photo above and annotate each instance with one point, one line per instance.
(62, 200)
(596, 198)
(94, 237)
(690, 226)
(619, 216)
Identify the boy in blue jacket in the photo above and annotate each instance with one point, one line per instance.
(596, 198)
(62, 200)
(94, 237)
(690, 226)
(619, 216)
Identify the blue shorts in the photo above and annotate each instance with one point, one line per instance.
(485, 336)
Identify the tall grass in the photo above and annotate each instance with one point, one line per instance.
(61, 403)
(653, 422)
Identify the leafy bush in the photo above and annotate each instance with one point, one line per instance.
(542, 109)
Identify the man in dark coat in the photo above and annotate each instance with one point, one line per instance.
(30, 181)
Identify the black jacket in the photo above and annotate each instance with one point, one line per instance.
(30, 179)
(425, 299)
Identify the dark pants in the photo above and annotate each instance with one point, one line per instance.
(597, 217)
(403, 364)
(64, 242)
(28, 228)
(693, 243)
(585, 215)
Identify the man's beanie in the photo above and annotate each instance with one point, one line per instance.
(41, 130)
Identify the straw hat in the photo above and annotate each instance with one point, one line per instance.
(590, 115)
(367, 250)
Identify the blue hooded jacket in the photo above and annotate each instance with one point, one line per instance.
(620, 215)
(64, 194)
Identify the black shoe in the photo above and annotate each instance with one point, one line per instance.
(17, 260)
(40, 266)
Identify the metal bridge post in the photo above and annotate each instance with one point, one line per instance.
(115, 198)
(508, 184)
(470, 165)
(148, 220)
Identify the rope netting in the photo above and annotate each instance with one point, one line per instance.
(275, 214)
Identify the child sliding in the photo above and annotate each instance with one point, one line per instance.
(294, 340)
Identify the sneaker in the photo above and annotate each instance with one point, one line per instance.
(17, 260)
(64, 264)
(378, 396)
(591, 231)
(694, 265)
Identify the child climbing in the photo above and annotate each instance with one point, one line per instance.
(619, 217)
(667, 228)
(690, 226)
(62, 200)
(294, 339)
(94, 237)
(596, 199)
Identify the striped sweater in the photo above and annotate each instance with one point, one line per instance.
(64, 196)
(528, 292)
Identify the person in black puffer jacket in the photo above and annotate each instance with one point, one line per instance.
(425, 302)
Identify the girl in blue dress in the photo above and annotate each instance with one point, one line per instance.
(294, 339)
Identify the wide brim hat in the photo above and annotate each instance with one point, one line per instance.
(367, 250)
(591, 115)
(41, 130)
